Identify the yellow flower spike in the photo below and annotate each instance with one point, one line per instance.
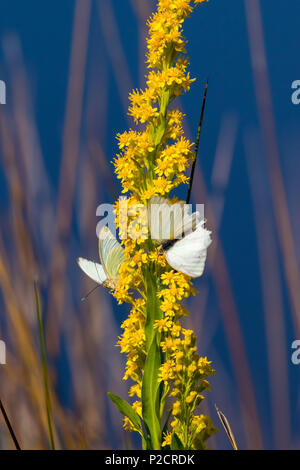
(192, 368)
(176, 329)
(176, 409)
(179, 356)
(137, 406)
(166, 372)
(167, 277)
(127, 424)
(179, 368)
(167, 439)
(191, 397)
(175, 392)
(163, 324)
(135, 390)
(174, 423)
(153, 162)
(168, 345)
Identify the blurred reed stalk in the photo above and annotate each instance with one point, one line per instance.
(228, 309)
(222, 163)
(24, 255)
(115, 51)
(272, 293)
(71, 140)
(44, 364)
(143, 11)
(217, 264)
(268, 127)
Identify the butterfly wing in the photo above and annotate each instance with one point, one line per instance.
(111, 253)
(170, 221)
(158, 210)
(186, 223)
(167, 220)
(158, 200)
(94, 270)
(189, 254)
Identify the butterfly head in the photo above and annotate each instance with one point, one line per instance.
(110, 284)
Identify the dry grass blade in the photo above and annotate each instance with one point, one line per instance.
(44, 365)
(9, 426)
(227, 428)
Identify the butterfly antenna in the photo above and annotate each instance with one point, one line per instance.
(9, 426)
(197, 145)
(84, 298)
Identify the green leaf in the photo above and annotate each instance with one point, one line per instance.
(150, 395)
(126, 410)
(160, 131)
(176, 442)
(152, 309)
(164, 103)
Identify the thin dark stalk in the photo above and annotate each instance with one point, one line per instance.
(9, 426)
(227, 428)
(197, 145)
(44, 365)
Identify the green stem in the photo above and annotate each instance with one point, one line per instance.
(150, 385)
(163, 401)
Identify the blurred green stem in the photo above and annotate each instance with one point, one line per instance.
(44, 364)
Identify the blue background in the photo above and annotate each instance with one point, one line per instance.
(218, 48)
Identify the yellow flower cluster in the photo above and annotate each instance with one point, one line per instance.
(147, 164)
(165, 27)
(153, 162)
(183, 373)
(132, 342)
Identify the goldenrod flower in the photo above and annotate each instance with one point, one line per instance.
(153, 162)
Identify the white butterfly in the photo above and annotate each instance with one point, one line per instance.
(188, 255)
(111, 256)
(169, 221)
